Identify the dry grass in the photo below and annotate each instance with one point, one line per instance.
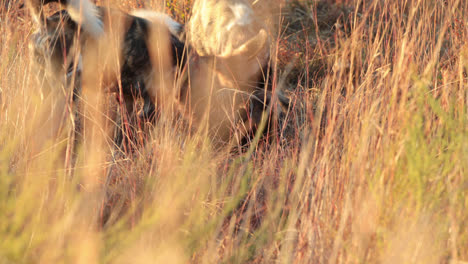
(372, 166)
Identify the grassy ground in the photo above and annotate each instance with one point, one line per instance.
(371, 167)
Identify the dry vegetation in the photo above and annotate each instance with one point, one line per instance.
(371, 165)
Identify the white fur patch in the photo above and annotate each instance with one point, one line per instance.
(174, 27)
(86, 14)
(242, 15)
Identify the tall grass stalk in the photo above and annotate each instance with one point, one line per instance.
(375, 169)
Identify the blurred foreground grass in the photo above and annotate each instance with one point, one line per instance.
(373, 167)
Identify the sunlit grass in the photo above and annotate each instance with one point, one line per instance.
(371, 168)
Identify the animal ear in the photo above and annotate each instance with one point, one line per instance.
(250, 48)
(35, 8)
